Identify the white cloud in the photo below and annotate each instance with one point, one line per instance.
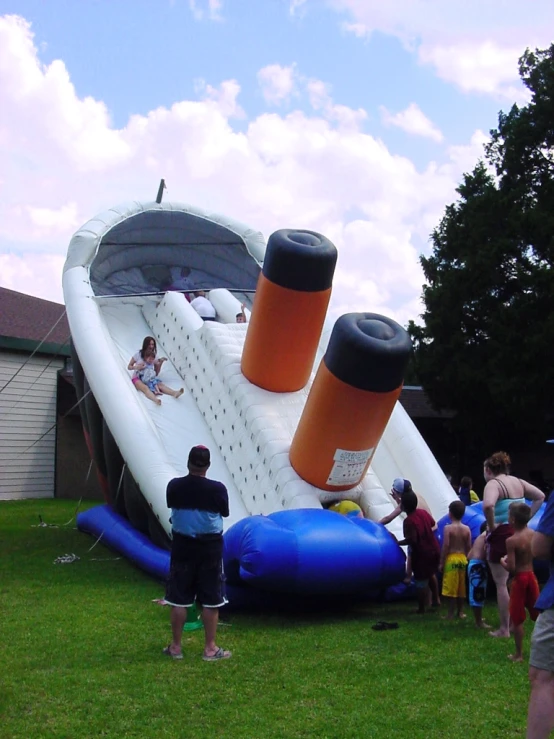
(215, 7)
(60, 219)
(295, 6)
(277, 83)
(358, 29)
(224, 96)
(207, 9)
(484, 67)
(319, 95)
(399, 279)
(465, 157)
(63, 161)
(412, 120)
(472, 44)
(40, 275)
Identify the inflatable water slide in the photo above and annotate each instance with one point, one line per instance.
(297, 412)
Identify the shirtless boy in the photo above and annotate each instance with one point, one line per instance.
(477, 575)
(456, 544)
(524, 591)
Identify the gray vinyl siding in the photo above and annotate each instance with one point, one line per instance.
(27, 425)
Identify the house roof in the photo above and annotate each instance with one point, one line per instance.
(32, 324)
(417, 404)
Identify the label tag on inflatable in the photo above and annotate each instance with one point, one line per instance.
(348, 466)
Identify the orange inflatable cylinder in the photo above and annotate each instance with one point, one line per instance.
(357, 384)
(289, 309)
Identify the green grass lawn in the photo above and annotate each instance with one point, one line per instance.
(81, 657)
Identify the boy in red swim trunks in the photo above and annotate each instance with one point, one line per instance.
(524, 591)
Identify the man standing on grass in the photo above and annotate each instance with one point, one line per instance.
(540, 720)
(198, 506)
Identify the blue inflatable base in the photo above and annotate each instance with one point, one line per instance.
(312, 552)
(297, 558)
(118, 534)
(315, 556)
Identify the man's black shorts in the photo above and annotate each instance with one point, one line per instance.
(196, 572)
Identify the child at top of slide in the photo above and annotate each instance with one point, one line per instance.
(477, 575)
(524, 591)
(241, 317)
(456, 544)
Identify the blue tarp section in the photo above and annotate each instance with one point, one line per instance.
(158, 250)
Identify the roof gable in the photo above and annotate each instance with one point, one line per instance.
(26, 321)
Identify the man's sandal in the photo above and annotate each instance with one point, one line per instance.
(167, 651)
(384, 626)
(220, 654)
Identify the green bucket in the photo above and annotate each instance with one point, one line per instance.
(194, 619)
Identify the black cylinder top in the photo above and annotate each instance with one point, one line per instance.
(368, 352)
(300, 260)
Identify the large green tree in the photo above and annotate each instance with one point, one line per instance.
(486, 349)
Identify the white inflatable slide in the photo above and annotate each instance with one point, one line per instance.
(124, 279)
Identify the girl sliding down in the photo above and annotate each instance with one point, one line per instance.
(145, 368)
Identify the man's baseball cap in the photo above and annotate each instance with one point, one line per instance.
(199, 456)
(400, 485)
